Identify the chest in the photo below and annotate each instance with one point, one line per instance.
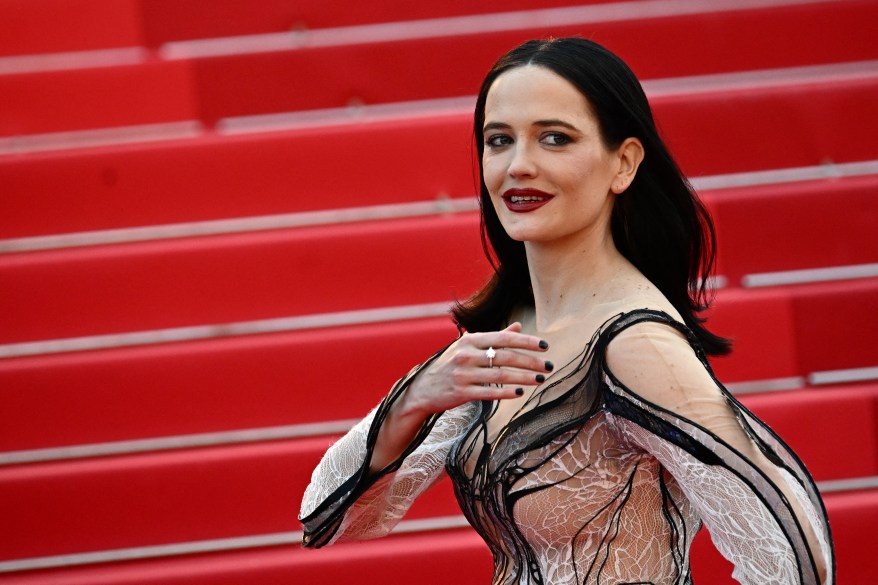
(552, 486)
(537, 439)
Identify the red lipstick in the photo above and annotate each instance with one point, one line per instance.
(525, 200)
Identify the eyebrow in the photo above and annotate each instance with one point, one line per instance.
(542, 123)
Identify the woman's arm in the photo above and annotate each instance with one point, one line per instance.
(345, 501)
(367, 481)
(752, 495)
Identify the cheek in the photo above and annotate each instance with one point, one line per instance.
(493, 172)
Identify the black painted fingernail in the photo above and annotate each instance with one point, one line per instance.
(519, 391)
(544, 344)
(540, 378)
(550, 366)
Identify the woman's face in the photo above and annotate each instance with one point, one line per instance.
(546, 168)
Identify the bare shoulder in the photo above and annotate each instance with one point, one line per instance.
(657, 362)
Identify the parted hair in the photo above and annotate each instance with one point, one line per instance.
(658, 223)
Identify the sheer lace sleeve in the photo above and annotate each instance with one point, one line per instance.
(344, 500)
(757, 500)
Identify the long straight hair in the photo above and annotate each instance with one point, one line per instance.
(658, 223)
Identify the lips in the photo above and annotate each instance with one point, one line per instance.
(525, 200)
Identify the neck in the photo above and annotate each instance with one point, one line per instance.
(570, 278)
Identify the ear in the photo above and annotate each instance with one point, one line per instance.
(629, 156)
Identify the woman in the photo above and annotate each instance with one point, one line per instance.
(599, 470)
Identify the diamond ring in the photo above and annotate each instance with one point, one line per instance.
(491, 353)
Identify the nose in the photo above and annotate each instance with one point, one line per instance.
(522, 163)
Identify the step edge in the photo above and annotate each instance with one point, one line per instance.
(341, 426)
(234, 329)
(451, 26)
(658, 88)
(424, 525)
(436, 207)
(176, 442)
(207, 546)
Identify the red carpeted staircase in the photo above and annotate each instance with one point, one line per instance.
(226, 228)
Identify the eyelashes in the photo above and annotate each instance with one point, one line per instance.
(498, 140)
(548, 138)
(556, 139)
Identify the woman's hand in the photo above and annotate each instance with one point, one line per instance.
(467, 372)
(463, 373)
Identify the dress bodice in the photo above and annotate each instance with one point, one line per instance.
(562, 498)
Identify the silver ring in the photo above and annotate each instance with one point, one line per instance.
(491, 353)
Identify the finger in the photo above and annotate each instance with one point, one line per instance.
(496, 393)
(524, 361)
(500, 355)
(481, 339)
(509, 337)
(502, 376)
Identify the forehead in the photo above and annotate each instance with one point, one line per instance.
(534, 92)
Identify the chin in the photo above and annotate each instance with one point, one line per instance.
(527, 236)
(524, 231)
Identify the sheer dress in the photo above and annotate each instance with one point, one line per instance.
(592, 482)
